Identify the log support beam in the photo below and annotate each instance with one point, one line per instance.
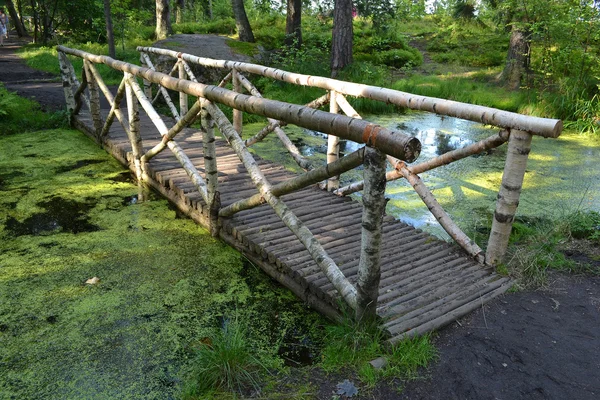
(369, 267)
(333, 144)
(519, 146)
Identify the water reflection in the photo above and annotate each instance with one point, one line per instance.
(562, 176)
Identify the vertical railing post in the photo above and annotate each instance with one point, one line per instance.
(237, 114)
(519, 145)
(94, 99)
(333, 144)
(210, 168)
(64, 62)
(369, 267)
(183, 98)
(147, 84)
(135, 137)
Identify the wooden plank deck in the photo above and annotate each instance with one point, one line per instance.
(425, 282)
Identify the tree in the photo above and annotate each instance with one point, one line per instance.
(179, 7)
(241, 21)
(163, 19)
(15, 19)
(110, 37)
(342, 37)
(293, 23)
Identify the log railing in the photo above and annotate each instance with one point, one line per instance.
(397, 147)
(514, 129)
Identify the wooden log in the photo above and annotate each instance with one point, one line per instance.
(162, 90)
(147, 84)
(486, 115)
(347, 163)
(291, 147)
(519, 146)
(63, 62)
(369, 268)
(445, 159)
(347, 291)
(210, 165)
(395, 143)
(133, 132)
(333, 144)
(346, 107)
(185, 162)
(79, 93)
(171, 133)
(441, 216)
(183, 98)
(114, 104)
(94, 99)
(238, 116)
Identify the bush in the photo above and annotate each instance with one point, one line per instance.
(223, 27)
(398, 58)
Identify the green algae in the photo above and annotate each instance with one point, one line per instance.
(165, 284)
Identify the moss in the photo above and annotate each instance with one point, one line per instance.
(164, 282)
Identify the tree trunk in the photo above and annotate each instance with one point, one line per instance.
(163, 19)
(15, 19)
(293, 24)
(341, 47)
(179, 6)
(241, 21)
(110, 37)
(518, 58)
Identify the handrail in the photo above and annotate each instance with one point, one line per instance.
(545, 127)
(394, 143)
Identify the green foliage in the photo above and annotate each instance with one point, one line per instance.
(468, 44)
(536, 245)
(221, 26)
(225, 361)
(352, 344)
(19, 115)
(584, 225)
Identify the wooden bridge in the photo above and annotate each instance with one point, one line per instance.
(326, 248)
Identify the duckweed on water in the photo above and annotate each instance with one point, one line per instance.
(165, 284)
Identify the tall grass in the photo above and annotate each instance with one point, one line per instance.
(225, 361)
(18, 115)
(353, 344)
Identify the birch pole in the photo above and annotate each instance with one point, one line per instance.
(133, 132)
(519, 145)
(94, 99)
(333, 144)
(369, 267)
(63, 62)
(147, 83)
(210, 168)
(237, 114)
(183, 98)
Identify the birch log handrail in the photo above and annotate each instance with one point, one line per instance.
(394, 143)
(491, 116)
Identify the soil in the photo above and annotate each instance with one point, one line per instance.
(541, 344)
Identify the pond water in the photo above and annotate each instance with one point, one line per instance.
(563, 175)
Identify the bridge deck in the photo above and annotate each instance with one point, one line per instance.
(425, 282)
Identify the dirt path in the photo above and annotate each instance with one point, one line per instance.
(525, 345)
